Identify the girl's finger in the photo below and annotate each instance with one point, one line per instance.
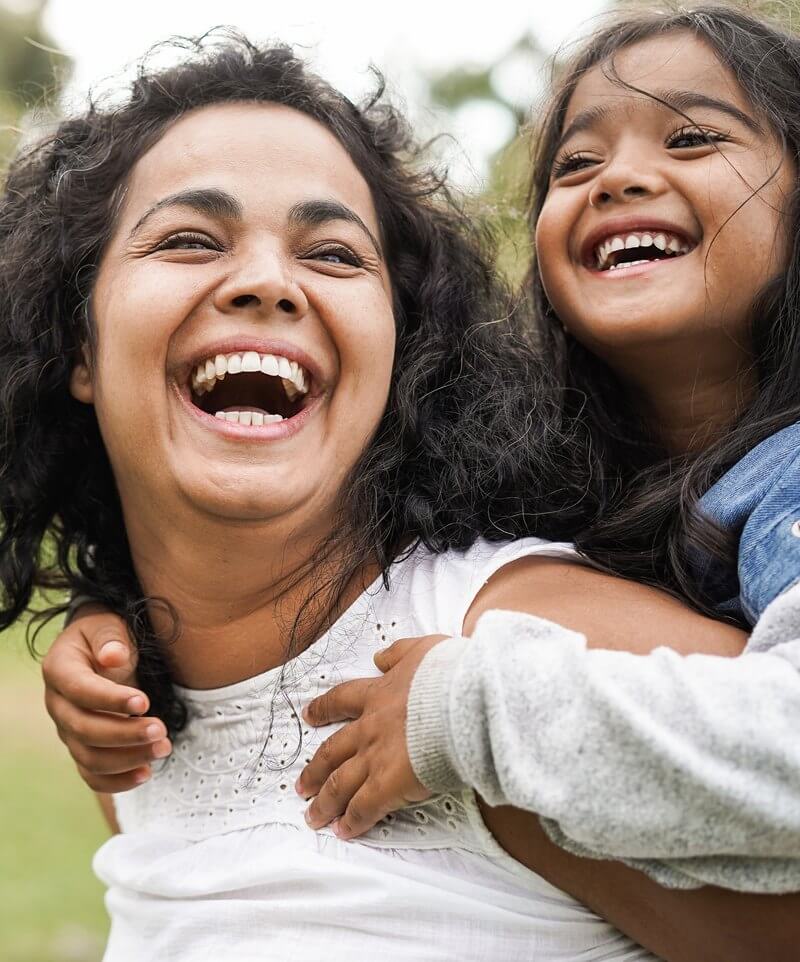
(327, 758)
(340, 703)
(80, 684)
(102, 730)
(365, 809)
(335, 794)
(387, 658)
(116, 761)
(112, 784)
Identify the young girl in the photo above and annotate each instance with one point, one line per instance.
(655, 162)
(666, 213)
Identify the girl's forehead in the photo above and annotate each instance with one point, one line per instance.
(673, 63)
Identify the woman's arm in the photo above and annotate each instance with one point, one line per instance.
(107, 807)
(703, 925)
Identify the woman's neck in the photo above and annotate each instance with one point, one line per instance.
(236, 589)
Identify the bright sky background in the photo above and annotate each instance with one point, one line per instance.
(341, 37)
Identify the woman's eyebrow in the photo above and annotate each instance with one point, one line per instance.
(312, 213)
(209, 200)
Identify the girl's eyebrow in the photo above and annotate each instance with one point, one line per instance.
(684, 100)
(679, 100)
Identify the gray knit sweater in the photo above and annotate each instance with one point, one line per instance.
(687, 768)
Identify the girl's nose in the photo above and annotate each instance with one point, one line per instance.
(262, 286)
(621, 182)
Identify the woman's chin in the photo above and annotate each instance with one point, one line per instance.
(248, 494)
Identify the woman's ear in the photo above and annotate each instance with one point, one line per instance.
(80, 382)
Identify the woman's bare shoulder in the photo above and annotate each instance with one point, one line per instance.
(611, 611)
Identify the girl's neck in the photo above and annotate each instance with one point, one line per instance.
(693, 396)
(236, 590)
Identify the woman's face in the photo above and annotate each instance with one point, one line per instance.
(243, 310)
(656, 228)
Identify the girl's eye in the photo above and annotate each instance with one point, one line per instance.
(336, 255)
(688, 137)
(571, 164)
(187, 242)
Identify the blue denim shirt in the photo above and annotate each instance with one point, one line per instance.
(759, 499)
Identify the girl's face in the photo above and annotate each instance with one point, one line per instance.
(243, 310)
(657, 229)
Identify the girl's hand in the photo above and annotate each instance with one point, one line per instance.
(362, 772)
(90, 674)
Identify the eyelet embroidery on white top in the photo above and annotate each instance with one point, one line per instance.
(235, 764)
(216, 780)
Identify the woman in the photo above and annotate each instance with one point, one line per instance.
(269, 408)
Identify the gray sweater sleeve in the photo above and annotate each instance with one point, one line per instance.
(687, 768)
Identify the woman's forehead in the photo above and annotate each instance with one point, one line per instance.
(678, 62)
(266, 155)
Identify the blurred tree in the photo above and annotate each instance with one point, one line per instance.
(511, 83)
(31, 70)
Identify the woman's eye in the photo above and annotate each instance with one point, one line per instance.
(571, 164)
(187, 242)
(694, 137)
(336, 255)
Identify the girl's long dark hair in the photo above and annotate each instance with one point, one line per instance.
(641, 505)
(460, 452)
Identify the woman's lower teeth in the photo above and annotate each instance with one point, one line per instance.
(257, 418)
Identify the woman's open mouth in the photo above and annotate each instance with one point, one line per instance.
(249, 388)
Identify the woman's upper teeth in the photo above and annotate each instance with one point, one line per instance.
(206, 373)
(662, 240)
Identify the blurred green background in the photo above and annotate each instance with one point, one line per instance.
(51, 907)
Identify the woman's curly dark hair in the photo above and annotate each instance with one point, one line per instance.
(456, 454)
(641, 516)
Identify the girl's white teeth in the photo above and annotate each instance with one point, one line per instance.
(208, 372)
(255, 418)
(664, 242)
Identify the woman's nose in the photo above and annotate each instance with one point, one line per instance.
(262, 285)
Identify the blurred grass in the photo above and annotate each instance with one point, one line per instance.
(51, 907)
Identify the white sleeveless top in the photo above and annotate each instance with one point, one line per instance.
(215, 861)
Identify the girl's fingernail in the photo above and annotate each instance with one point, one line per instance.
(162, 749)
(297, 787)
(154, 732)
(141, 777)
(136, 705)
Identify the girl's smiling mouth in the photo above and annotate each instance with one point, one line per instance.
(619, 249)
